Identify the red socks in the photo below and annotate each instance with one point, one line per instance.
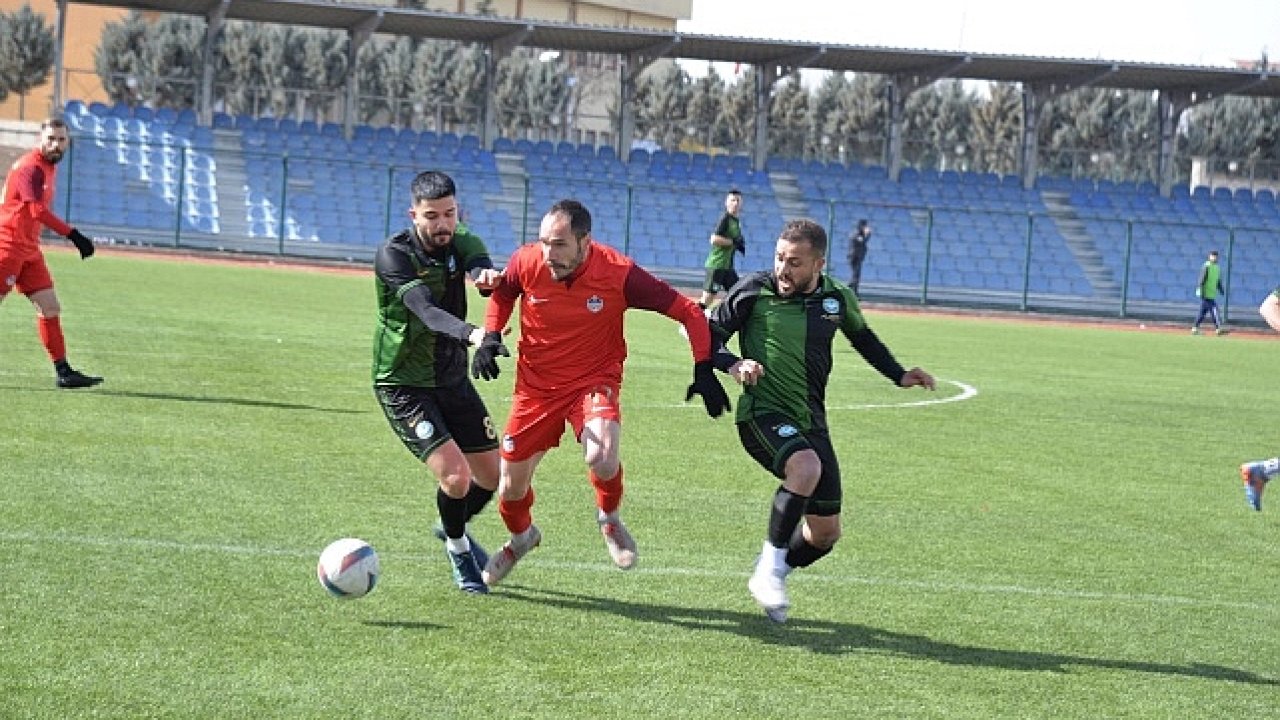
(50, 329)
(608, 492)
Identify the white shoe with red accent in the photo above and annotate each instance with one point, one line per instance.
(501, 562)
(621, 546)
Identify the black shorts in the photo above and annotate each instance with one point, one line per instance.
(770, 439)
(720, 279)
(426, 418)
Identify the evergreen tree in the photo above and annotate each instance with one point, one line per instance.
(429, 80)
(737, 112)
(823, 118)
(511, 83)
(789, 117)
(464, 89)
(30, 54)
(861, 119)
(706, 96)
(662, 96)
(8, 54)
(122, 48)
(997, 129)
(172, 58)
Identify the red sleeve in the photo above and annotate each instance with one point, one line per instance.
(503, 300)
(644, 291)
(29, 188)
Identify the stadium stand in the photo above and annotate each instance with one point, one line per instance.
(260, 183)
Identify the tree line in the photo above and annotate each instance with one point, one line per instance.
(288, 71)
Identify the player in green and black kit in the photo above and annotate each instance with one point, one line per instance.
(786, 320)
(725, 241)
(420, 361)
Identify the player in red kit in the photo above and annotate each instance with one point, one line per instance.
(27, 195)
(573, 292)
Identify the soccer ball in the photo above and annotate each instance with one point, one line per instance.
(348, 568)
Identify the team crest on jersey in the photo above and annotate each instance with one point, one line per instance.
(11, 280)
(424, 429)
(830, 306)
(508, 443)
(786, 431)
(452, 264)
(595, 303)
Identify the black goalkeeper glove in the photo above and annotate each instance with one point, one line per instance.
(740, 245)
(82, 243)
(485, 364)
(712, 392)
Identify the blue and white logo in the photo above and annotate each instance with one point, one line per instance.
(830, 306)
(595, 303)
(424, 429)
(787, 431)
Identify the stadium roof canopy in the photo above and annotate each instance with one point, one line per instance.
(1178, 86)
(1200, 81)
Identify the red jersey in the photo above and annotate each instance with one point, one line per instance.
(571, 330)
(28, 193)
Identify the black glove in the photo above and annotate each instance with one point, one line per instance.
(740, 245)
(706, 385)
(485, 363)
(82, 243)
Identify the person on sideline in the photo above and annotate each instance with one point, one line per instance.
(573, 293)
(725, 241)
(420, 362)
(28, 195)
(1208, 287)
(786, 320)
(858, 253)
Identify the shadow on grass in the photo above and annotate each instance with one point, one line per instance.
(835, 638)
(244, 402)
(404, 625)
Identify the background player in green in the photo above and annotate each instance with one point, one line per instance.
(786, 320)
(1208, 287)
(420, 361)
(725, 241)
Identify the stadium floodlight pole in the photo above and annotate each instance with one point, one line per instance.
(59, 45)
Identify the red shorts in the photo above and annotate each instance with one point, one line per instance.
(25, 271)
(537, 420)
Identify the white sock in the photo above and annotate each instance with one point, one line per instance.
(1270, 467)
(459, 546)
(774, 559)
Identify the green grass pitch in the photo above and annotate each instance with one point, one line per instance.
(1069, 542)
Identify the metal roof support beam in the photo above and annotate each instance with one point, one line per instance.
(1170, 106)
(1033, 97)
(214, 18)
(495, 51)
(634, 63)
(60, 30)
(766, 78)
(901, 86)
(356, 38)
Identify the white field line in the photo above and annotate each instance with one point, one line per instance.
(966, 392)
(925, 585)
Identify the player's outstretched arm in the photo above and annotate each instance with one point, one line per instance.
(484, 364)
(714, 398)
(915, 376)
(82, 243)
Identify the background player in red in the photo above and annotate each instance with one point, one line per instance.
(28, 193)
(573, 292)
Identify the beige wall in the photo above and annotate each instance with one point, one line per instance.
(84, 25)
(652, 14)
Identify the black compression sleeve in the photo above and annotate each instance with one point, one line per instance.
(877, 355)
(438, 320)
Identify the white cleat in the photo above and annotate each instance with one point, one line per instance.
(769, 589)
(621, 546)
(501, 562)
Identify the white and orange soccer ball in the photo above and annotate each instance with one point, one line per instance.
(348, 568)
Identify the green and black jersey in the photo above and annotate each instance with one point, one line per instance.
(792, 338)
(721, 258)
(422, 332)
